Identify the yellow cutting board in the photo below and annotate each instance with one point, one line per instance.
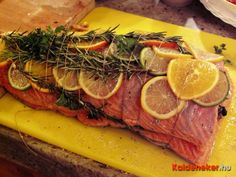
(121, 148)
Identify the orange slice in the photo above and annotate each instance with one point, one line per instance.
(97, 87)
(157, 43)
(40, 72)
(158, 99)
(189, 78)
(67, 79)
(93, 45)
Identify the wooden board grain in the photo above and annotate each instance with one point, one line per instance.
(27, 14)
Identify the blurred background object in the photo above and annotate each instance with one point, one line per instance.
(27, 14)
(177, 3)
(231, 4)
(222, 9)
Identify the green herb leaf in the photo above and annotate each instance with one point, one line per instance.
(68, 100)
(60, 29)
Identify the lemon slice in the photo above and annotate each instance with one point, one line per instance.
(67, 79)
(204, 55)
(158, 100)
(189, 78)
(218, 94)
(17, 79)
(3, 61)
(99, 88)
(153, 63)
(170, 53)
(40, 72)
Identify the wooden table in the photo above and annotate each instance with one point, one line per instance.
(53, 161)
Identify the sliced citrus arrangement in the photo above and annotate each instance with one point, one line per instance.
(97, 87)
(170, 53)
(190, 78)
(17, 79)
(153, 63)
(218, 94)
(67, 79)
(157, 43)
(158, 99)
(93, 45)
(39, 72)
(204, 55)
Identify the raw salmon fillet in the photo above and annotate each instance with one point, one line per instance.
(190, 133)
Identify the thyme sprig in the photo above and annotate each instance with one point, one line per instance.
(219, 49)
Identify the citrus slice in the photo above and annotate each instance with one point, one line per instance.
(93, 45)
(189, 78)
(41, 75)
(157, 43)
(3, 61)
(218, 94)
(67, 79)
(170, 53)
(17, 79)
(158, 100)
(204, 55)
(97, 87)
(153, 63)
(113, 51)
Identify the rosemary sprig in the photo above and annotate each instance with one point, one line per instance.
(54, 48)
(69, 100)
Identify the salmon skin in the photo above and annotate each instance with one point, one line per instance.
(190, 133)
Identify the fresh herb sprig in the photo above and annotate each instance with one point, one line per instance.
(54, 48)
(219, 50)
(58, 48)
(68, 99)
